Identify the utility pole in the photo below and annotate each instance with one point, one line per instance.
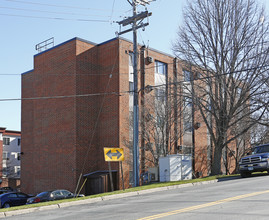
(135, 25)
(142, 102)
(175, 69)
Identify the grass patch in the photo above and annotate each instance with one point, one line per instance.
(135, 189)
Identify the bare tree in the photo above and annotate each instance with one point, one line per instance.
(226, 40)
(163, 111)
(260, 133)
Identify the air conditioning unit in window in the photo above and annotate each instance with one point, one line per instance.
(149, 60)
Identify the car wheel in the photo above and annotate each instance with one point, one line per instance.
(6, 205)
(245, 174)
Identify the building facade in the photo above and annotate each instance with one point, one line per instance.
(10, 148)
(78, 99)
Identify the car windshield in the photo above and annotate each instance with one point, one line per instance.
(261, 149)
(43, 194)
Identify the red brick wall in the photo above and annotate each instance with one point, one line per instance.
(59, 136)
(48, 125)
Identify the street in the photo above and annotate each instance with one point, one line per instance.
(243, 198)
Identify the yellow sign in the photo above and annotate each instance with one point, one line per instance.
(113, 154)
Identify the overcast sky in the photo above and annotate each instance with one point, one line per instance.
(25, 23)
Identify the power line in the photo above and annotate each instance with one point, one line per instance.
(91, 74)
(58, 6)
(152, 67)
(206, 77)
(52, 12)
(128, 91)
(112, 11)
(60, 97)
(51, 18)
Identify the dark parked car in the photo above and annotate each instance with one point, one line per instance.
(52, 195)
(13, 199)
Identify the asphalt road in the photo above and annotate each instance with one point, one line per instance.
(232, 199)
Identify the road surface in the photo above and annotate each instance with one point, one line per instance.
(243, 198)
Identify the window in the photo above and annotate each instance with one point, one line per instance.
(187, 75)
(5, 155)
(56, 194)
(160, 67)
(4, 171)
(131, 59)
(17, 170)
(131, 88)
(160, 94)
(21, 195)
(187, 101)
(66, 193)
(18, 156)
(13, 195)
(6, 141)
(187, 126)
(19, 141)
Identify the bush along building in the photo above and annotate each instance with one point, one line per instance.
(78, 99)
(10, 154)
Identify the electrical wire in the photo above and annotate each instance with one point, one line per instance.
(60, 97)
(52, 12)
(58, 6)
(112, 10)
(152, 67)
(91, 74)
(128, 91)
(54, 18)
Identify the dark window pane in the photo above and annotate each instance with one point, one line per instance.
(6, 141)
(21, 195)
(160, 67)
(187, 75)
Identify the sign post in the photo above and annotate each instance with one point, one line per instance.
(110, 176)
(114, 155)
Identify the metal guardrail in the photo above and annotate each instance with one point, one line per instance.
(44, 45)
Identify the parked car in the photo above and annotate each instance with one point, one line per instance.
(52, 195)
(13, 199)
(258, 161)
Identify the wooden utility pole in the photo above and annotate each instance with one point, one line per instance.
(133, 20)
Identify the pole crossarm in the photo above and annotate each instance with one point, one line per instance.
(143, 2)
(137, 17)
(137, 27)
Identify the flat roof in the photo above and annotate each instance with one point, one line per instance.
(95, 44)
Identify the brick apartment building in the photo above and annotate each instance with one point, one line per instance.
(10, 154)
(76, 101)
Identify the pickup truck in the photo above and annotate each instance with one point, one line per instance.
(258, 161)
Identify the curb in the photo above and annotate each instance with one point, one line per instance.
(102, 198)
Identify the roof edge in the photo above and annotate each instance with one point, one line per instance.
(65, 42)
(27, 72)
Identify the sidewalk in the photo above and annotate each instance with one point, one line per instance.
(102, 198)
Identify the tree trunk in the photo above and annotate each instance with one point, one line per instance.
(216, 165)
